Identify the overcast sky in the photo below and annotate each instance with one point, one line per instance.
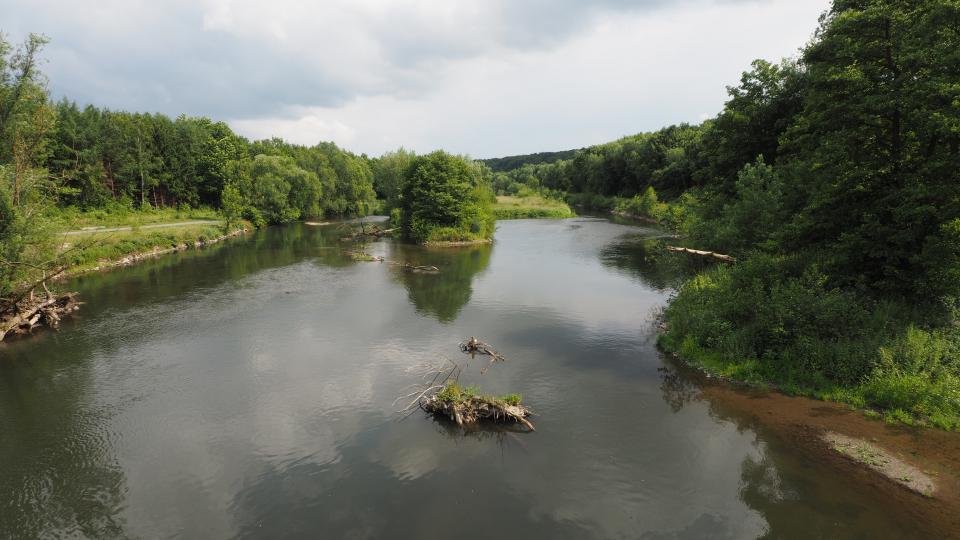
(481, 77)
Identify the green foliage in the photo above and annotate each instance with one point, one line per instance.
(509, 163)
(446, 199)
(389, 175)
(530, 207)
(233, 204)
(454, 394)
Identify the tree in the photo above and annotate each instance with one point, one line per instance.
(875, 147)
(26, 118)
(445, 198)
(273, 179)
(389, 172)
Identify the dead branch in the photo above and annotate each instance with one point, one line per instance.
(473, 347)
(711, 254)
(25, 316)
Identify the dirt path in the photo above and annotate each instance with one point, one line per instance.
(89, 230)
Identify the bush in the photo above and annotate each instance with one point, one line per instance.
(446, 199)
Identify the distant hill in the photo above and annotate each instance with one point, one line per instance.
(510, 163)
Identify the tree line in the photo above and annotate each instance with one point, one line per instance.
(834, 179)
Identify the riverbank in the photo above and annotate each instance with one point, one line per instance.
(530, 207)
(97, 250)
(176, 244)
(865, 450)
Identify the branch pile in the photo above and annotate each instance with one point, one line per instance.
(444, 396)
(23, 316)
(464, 407)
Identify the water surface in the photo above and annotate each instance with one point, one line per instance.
(247, 391)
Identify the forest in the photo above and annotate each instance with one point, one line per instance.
(832, 179)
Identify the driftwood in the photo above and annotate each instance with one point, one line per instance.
(473, 409)
(24, 316)
(366, 233)
(473, 346)
(415, 268)
(711, 254)
(362, 256)
(443, 396)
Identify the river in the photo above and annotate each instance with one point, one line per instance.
(246, 390)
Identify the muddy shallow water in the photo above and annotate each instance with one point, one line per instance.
(246, 391)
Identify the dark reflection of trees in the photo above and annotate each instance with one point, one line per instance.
(441, 295)
(500, 432)
(677, 388)
(705, 526)
(646, 259)
(58, 476)
(789, 482)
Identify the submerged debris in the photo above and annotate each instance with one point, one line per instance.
(29, 313)
(362, 256)
(363, 232)
(473, 346)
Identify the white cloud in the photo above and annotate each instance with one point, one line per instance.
(484, 77)
(623, 75)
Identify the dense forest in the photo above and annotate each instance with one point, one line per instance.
(832, 178)
(509, 163)
(59, 159)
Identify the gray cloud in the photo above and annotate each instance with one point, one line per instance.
(170, 57)
(327, 65)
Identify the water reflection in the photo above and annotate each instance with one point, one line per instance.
(441, 295)
(644, 257)
(246, 391)
(786, 480)
(59, 476)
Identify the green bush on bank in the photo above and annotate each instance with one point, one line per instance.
(774, 319)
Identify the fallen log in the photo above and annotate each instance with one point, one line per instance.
(25, 316)
(711, 254)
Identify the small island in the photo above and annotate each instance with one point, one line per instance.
(446, 201)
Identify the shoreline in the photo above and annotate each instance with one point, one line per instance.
(834, 434)
(132, 259)
(457, 243)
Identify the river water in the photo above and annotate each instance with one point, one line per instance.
(247, 390)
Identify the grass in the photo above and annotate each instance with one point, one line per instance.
(112, 246)
(454, 394)
(68, 219)
(533, 206)
(917, 399)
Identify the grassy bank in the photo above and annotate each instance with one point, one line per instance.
(749, 323)
(533, 206)
(67, 219)
(104, 248)
(94, 241)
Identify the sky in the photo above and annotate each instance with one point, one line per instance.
(486, 78)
